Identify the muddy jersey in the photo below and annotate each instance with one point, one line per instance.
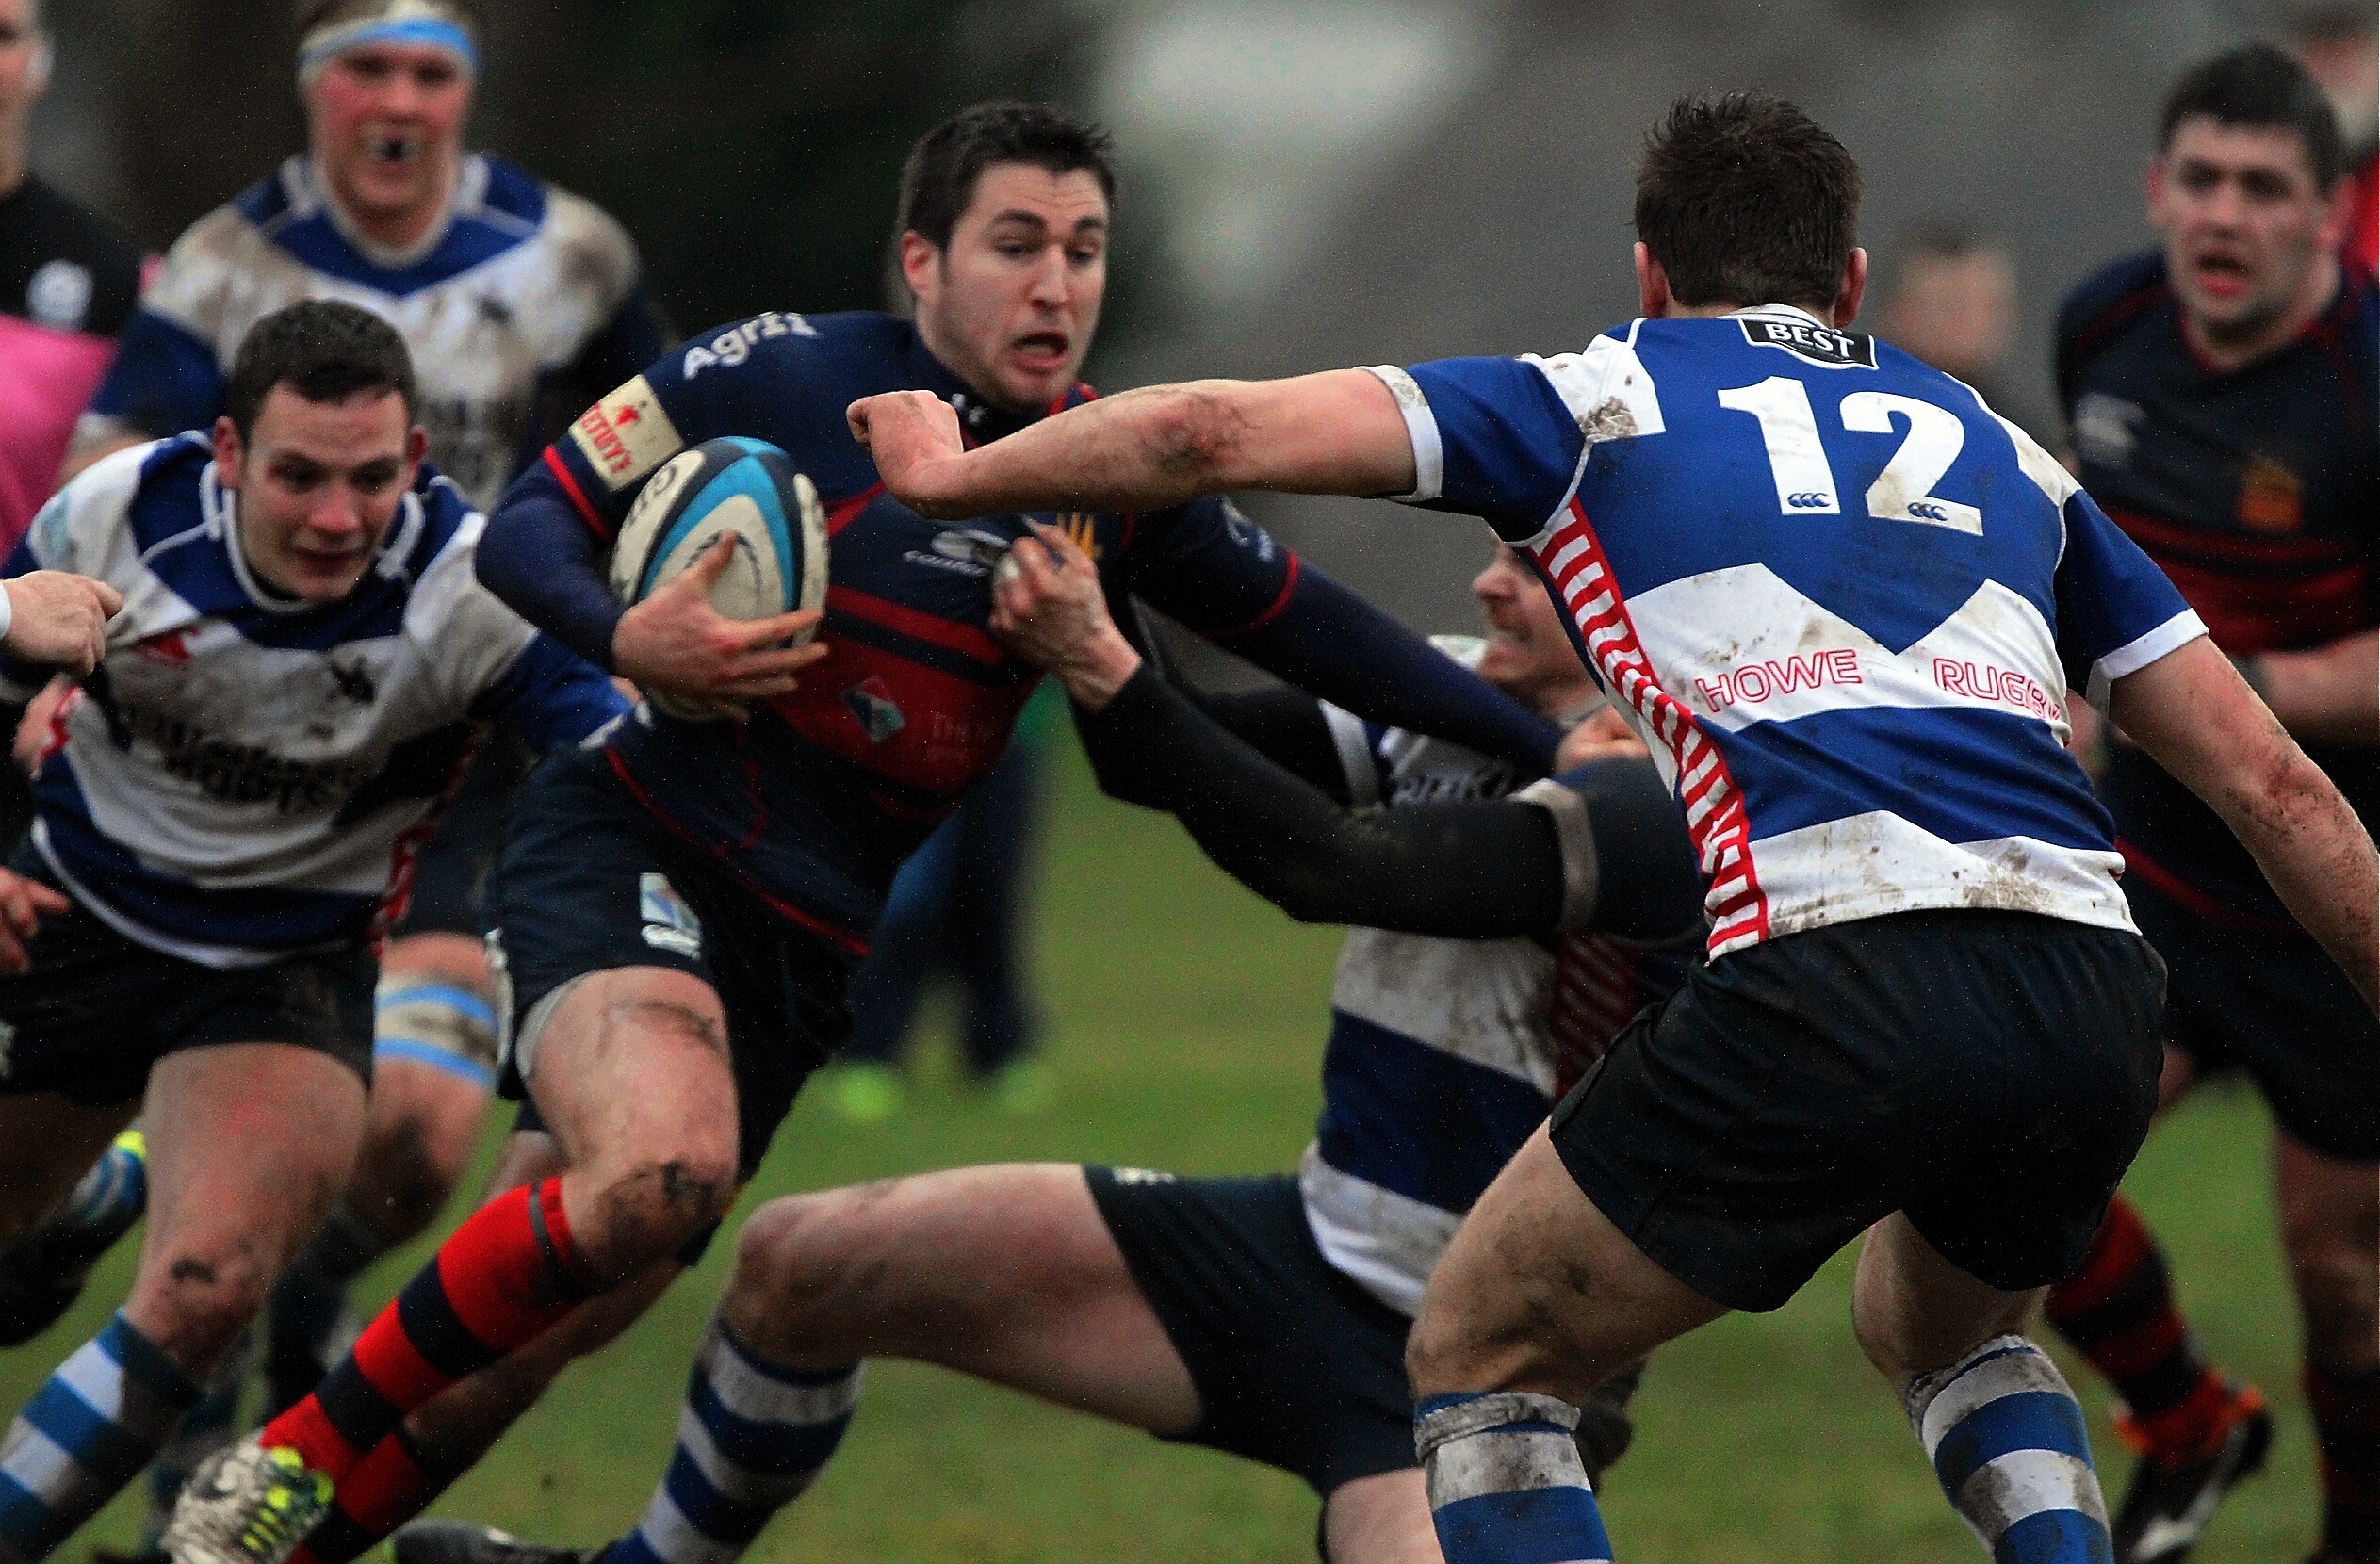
(1841, 599)
(814, 804)
(67, 284)
(2258, 491)
(246, 775)
(521, 303)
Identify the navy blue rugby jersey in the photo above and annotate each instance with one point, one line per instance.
(814, 804)
(1841, 599)
(2258, 491)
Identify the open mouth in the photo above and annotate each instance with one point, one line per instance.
(2221, 273)
(1042, 350)
(395, 152)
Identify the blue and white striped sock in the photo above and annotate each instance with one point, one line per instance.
(212, 1423)
(752, 1437)
(87, 1431)
(2008, 1443)
(1506, 1483)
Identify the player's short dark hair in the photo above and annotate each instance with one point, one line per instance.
(323, 350)
(1746, 199)
(939, 180)
(314, 13)
(2258, 84)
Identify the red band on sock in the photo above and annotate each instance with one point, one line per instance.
(497, 1275)
(2189, 1430)
(387, 1489)
(304, 1429)
(2120, 1245)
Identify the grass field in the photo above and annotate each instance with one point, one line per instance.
(1188, 1027)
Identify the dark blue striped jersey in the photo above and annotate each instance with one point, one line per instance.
(1841, 599)
(814, 805)
(2258, 489)
(245, 774)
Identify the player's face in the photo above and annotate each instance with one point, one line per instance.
(319, 484)
(387, 123)
(18, 44)
(1957, 313)
(1528, 656)
(2244, 222)
(1010, 306)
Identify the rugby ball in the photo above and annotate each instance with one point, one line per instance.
(734, 487)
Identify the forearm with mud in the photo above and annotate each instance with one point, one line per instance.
(2318, 856)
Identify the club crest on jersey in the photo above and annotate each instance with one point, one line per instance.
(626, 435)
(670, 924)
(1082, 529)
(1821, 345)
(871, 703)
(2272, 497)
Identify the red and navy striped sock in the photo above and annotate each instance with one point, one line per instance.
(507, 1275)
(386, 1488)
(2118, 1311)
(2346, 1406)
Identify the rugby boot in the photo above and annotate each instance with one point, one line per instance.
(2170, 1501)
(468, 1542)
(43, 1273)
(246, 1505)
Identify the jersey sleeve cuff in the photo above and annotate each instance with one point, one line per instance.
(1582, 876)
(1354, 745)
(1421, 426)
(2176, 633)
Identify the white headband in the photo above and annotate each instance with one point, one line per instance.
(398, 22)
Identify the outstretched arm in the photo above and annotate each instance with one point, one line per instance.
(2197, 717)
(1338, 433)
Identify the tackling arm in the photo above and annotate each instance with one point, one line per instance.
(2197, 717)
(1337, 433)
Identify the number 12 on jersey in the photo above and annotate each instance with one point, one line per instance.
(1805, 480)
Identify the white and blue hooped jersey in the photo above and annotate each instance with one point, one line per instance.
(519, 285)
(245, 775)
(1440, 1061)
(1840, 598)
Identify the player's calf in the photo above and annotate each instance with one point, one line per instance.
(2007, 1442)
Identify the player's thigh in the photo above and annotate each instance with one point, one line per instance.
(422, 1128)
(1007, 1273)
(631, 1064)
(1915, 1312)
(1539, 1292)
(1383, 1518)
(2330, 1230)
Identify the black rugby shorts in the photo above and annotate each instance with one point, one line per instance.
(1991, 1074)
(588, 882)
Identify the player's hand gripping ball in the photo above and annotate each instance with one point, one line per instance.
(747, 489)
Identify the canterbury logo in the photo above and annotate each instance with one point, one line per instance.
(1926, 509)
(1808, 500)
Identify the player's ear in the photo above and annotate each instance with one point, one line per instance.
(37, 74)
(2153, 189)
(1854, 289)
(229, 453)
(919, 256)
(416, 446)
(1653, 284)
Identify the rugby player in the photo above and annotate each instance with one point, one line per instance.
(1261, 1316)
(68, 283)
(2221, 393)
(679, 907)
(518, 302)
(1848, 635)
(224, 823)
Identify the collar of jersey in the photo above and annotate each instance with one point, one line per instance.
(309, 193)
(979, 421)
(1794, 310)
(219, 507)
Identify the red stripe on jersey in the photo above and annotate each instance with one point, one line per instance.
(784, 909)
(844, 511)
(1573, 559)
(587, 512)
(924, 729)
(947, 633)
(2175, 889)
(1279, 606)
(2154, 534)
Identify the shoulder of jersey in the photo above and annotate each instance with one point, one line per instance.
(447, 518)
(2113, 286)
(846, 354)
(570, 223)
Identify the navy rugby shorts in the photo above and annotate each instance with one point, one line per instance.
(588, 882)
(1990, 1074)
(2271, 1002)
(96, 1010)
(1295, 1366)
